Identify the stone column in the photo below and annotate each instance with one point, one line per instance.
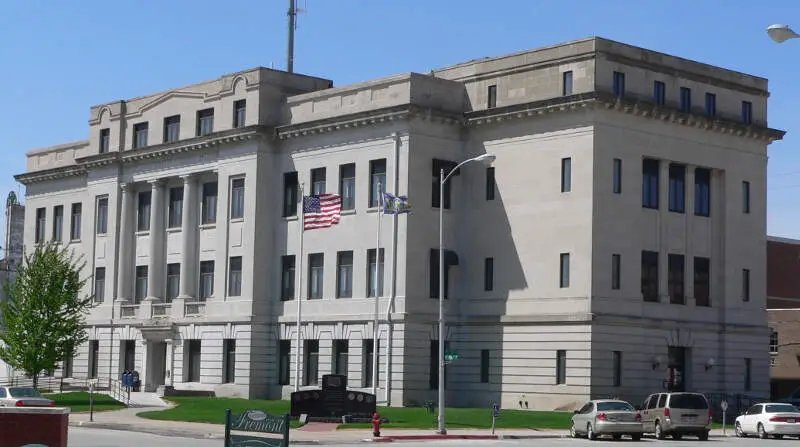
(126, 254)
(170, 367)
(663, 210)
(143, 374)
(188, 284)
(156, 266)
(688, 275)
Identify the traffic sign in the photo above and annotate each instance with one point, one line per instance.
(724, 405)
(450, 356)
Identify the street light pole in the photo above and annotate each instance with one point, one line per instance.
(488, 159)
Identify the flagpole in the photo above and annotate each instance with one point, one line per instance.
(377, 295)
(298, 292)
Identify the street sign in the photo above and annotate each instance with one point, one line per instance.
(450, 356)
(724, 405)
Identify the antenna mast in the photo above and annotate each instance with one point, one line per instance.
(290, 55)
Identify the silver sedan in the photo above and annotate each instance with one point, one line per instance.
(607, 417)
(11, 396)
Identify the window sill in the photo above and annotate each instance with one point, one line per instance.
(174, 230)
(102, 234)
(143, 233)
(74, 241)
(677, 211)
(237, 220)
(702, 215)
(348, 212)
(208, 226)
(648, 207)
(291, 218)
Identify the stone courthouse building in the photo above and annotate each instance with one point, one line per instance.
(618, 240)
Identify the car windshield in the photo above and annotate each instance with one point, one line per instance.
(688, 401)
(23, 392)
(781, 408)
(614, 406)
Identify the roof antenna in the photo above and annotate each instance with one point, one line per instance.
(293, 11)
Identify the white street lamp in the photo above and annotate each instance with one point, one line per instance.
(781, 33)
(487, 159)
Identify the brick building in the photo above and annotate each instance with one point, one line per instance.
(783, 305)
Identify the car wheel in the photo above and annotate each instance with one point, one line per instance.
(761, 433)
(777, 436)
(572, 432)
(677, 436)
(616, 437)
(590, 432)
(739, 432)
(703, 436)
(659, 431)
(636, 437)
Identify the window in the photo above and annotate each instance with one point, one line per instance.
(659, 93)
(377, 182)
(237, 198)
(616, 187)
(140, 135)
(702, 192)
(711, 104)
(235, 276)
(347, 186)
(94, 357)
(485, 365)
(205, 122)
(563, 277)
(318, 181)
(438, 166)
(745, 284)
(229, 361)
(367, 358)
(41, 222)
(287, 277)
(141, 284)
(619, 84)
(747, 112)
(340, 354)
(566, 83)
(746, 197)
(344, 276)
(491, 185)
(105, 140)
(311, 362)
(239, 113)
(143, 212)
(172, 128)
(209, 211)
(491, 94)
(193, 352)
(290, 186)
(173, 281)
(450, 259)
(435, 358)
(175, 207)
(616, 362)
(650, 276)
(675, 278)
(206, 280)
(99, 284)
(316, 270)
(102, 215)
(566, 174)
(488, 274)
(129, 354)
(677, 188)
(284, 356)
(650, 178)
(75, 222)
(773, 342)
(686, 99)
(616, 261)
(748, 378)
(371, 272)
(561, 367)
(702, 282)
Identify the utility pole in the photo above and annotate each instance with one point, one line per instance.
(290, 52)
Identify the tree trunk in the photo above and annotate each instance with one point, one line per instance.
(35, 381)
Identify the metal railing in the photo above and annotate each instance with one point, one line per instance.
(160, 310)
(48, 384)
(119, 392)
(128, 310)
(194, 308)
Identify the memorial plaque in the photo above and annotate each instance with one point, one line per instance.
(333, 400)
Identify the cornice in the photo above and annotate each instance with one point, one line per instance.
(50, 174)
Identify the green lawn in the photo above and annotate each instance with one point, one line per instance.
(79, 402)
(212, 410)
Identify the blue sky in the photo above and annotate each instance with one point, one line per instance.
(59, 58)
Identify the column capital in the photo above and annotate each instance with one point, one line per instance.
(188, 177)
(125, 186)
(155, 183)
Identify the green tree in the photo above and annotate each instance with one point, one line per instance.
(43, 317)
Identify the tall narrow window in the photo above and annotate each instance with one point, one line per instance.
(566, 83)
(433, 368)
(205, 122)
(491, 94)
(284, 357)
(341, 351)
(371, 270)
(344, 274)
(239, 113)
(619, 84)
(209, 211)
(491, 185)
(748, 374)
(41, 224)
(773, 342)
(192, 354)
(747, 112)
(702, 281)
(58, 222)
(561, 367)
(650, 276)
(287, 277)
(316, 269)
(290, 187)
(711, 104)
(172, 128)
(347, 186)
(702, 192)
(485, 365)
(173, 281)
(175, 219)
(563, 280)
(94, 358)
(237, 198)
(311, 362)
(105, 140)
(235, 276)
(616, 186)
(101, 225)
(686, 99)
(488, 274)
(677, 188)
(450, 259)
(367, 356)
(99, 284)
(140, 131)
(745, 284)
(650, 179)
(675, 278)
(140, 286)
(438, 166)
(659, 93)
(746, 197)
(616, 363)
(318, 181)
(206, 280)
(616, 267)
(566, 174)
(377, 182)
(143, 211)
(229, 360)
(75, 222)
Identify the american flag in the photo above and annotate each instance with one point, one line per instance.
(321, 211)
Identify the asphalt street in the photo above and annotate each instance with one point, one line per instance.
(95, 437)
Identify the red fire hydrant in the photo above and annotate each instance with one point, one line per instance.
(376, 424)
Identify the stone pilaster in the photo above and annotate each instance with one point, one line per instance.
(663, 210)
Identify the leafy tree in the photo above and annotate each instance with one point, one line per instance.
(43, 317)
